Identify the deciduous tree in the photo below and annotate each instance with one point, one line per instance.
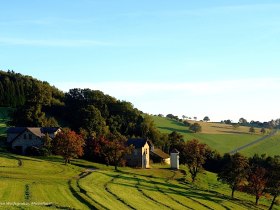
(234, 171)
(196, 127)
(257, 180)
(68, 144)
(206, 119)
(116, 149)
(274, 179)
(193, 153)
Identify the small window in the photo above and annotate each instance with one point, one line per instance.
(24, 136)
(30, 136)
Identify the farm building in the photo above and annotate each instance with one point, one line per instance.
(158, 156)
(140, 156)
(21, 138)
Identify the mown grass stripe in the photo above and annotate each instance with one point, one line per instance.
(81, 176)
(147, 196)
(115, 195)
(79, 197)
(160, 190)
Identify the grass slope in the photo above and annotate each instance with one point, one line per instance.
(269, 146)
(221, 137)
(49, 184)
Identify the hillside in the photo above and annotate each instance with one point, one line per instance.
(3, 120)
(269, 147)
(48, 183)
(221, 137)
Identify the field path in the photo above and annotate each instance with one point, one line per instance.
(253, 142)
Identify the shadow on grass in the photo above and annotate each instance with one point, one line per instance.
(195, 194)
(175, 129)
(234, 132)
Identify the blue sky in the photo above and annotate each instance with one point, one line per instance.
(197, 58)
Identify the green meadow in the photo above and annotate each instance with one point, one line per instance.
(222, 137)
(270, 146)
(46, 183)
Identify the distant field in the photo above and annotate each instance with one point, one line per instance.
(221, 137)
(52, 185)
(207, 127)
(270, 146)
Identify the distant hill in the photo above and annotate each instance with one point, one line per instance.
(219, 136)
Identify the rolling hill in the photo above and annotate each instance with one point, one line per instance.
(46, 183)
(222, 137)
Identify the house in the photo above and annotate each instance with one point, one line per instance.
(140, 156)
(158, 156)
(21, 138)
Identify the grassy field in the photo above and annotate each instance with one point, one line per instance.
(46, 183)
(270, 147)
(221, 137)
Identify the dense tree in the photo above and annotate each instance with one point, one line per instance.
(234, 171)
(228, 122)
(115, 149)
(68, 144)
(194, 155)
(257, 179)
(149, 130)
(120, 116)
(94, 147)
(196, 127)
(39, 104)
(92, 121)
(171, 116)
(243, 121)
(206, 119)
(16, 89)
(186, 123)
(213, 161)
(174, 140)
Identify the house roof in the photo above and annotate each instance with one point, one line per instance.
(37, 131)
(138, 143)
(174, 151)
(160, 153)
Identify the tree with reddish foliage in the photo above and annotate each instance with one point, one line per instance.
(257, 180)
(94, 148)
(234, 171)
(68, 144)
(273, 184)
(193, 153)
(115, 149)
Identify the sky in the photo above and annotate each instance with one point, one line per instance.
(185, 57)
